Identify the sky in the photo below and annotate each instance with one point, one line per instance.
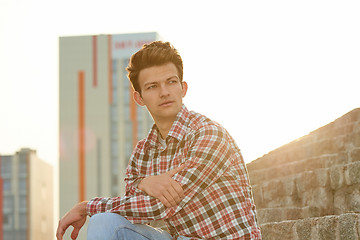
(268, 71)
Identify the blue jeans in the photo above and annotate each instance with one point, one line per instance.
(112, 226)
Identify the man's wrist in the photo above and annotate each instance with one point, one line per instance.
(82, 207)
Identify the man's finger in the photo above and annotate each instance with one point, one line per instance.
(175, 197)
(58, 236)
(75, 233)
(176, 170)
(164, 201)
(179, 190)
(170, 199)
(60, 232)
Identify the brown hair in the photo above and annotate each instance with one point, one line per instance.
(154, 54)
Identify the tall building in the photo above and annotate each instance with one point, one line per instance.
(26, 197)
(99, 121)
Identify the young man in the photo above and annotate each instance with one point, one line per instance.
(188, 172)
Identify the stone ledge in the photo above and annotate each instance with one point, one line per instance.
(332, 188)
(310, 164)
(337, 227)
(268, 215)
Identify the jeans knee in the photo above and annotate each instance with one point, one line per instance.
(109, 219)
(112, 226)
(105, 225)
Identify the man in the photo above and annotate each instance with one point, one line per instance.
(188, 172)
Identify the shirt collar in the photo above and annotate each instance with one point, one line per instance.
(177, 130)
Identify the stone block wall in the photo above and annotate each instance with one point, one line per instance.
(307, 187)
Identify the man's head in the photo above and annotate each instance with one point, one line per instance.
(154, 54)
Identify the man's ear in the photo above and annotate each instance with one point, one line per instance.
(138, 99)
(184, 88)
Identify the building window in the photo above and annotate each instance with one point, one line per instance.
(114, 131)
(7, 221)
(22, 203)
(23, 165)
(23, 221)
(9, 203)
(7, 185)
(126, 93)
(6, 166)
(22, 185)
(114, 149)
(114, 114)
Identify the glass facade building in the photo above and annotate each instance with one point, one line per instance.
(99, 121)
(26, 197)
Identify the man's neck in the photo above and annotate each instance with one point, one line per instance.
(164, 128)
(164, 124)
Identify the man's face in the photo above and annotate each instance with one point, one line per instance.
(161, 91)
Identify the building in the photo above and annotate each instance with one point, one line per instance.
(99, 121)
(26, 197)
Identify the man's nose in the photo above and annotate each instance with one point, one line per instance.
(164, 91)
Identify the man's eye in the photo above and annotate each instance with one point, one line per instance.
(151, 86)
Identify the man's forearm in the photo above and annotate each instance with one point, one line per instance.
(163, 187)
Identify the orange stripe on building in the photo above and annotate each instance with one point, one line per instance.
(110, 68)
(81, 131)
(133, 116)
(94, 46)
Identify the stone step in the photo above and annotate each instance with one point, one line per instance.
(332, 190)
(270, 215)
(309, 164)
(336, 227)
(267, 215)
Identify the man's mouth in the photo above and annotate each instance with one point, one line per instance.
(165, 104)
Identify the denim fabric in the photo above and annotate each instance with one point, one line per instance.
(112, 226)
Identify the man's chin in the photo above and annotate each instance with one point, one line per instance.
(169, 113)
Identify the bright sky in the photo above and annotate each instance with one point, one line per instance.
(269, 71)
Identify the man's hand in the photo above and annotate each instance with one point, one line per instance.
(164, 188)
(76, 217)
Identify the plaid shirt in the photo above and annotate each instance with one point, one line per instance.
(218, 202)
